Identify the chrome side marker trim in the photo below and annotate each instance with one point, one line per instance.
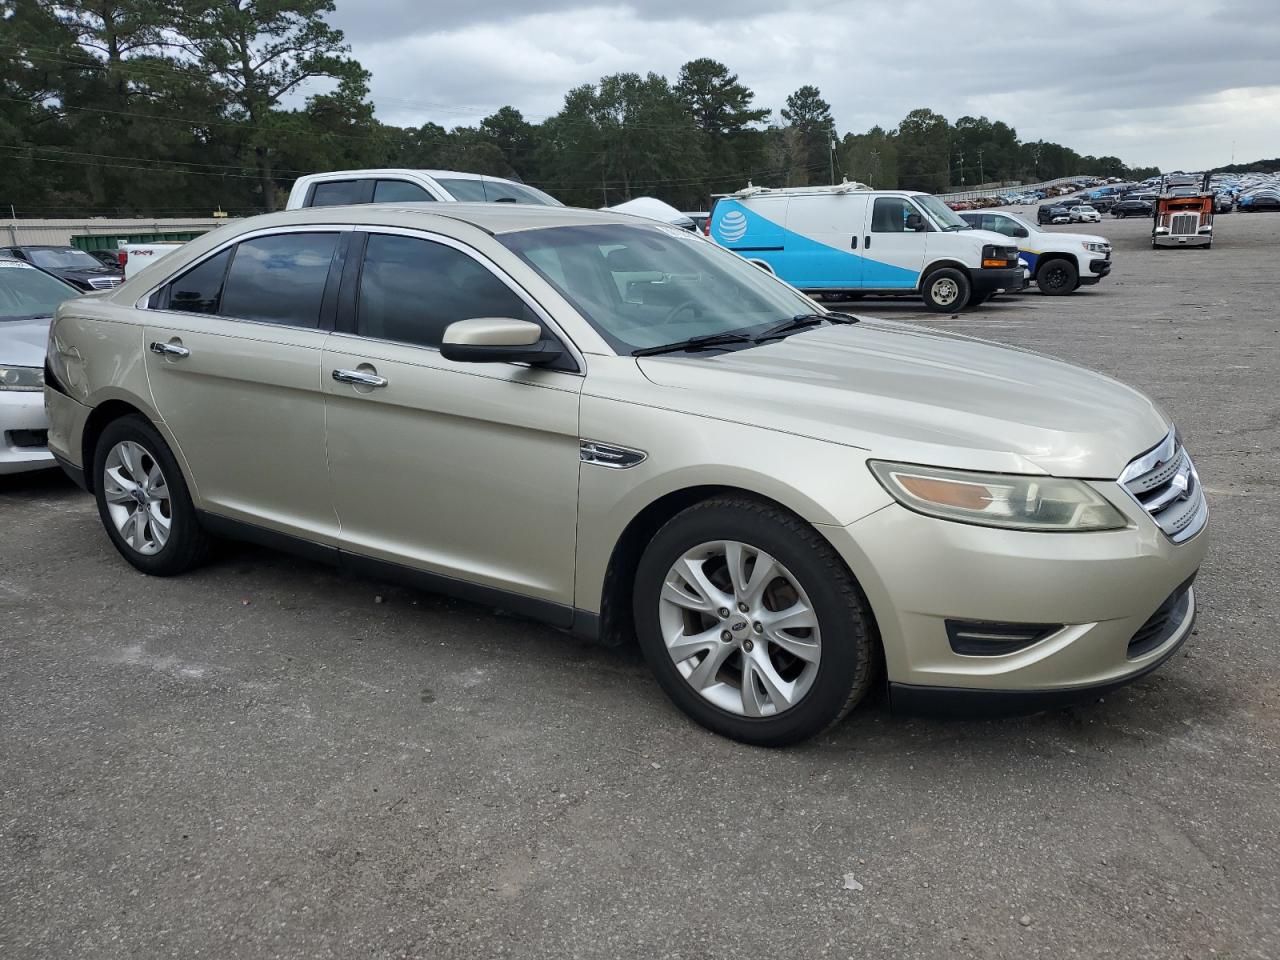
(609, 455)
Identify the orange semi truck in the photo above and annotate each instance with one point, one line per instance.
(1183, 216)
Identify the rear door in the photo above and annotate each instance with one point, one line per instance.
(462, 470)
(233, 361)
(894, 244)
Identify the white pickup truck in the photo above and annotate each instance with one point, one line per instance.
(138, 256)
(1059, 263)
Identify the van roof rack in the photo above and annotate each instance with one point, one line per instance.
(750, 190)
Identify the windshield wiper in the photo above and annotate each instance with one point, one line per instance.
(799, 322)
(704, 342)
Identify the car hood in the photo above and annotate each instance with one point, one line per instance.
(23, 342)
(84, 273)
(922, 396)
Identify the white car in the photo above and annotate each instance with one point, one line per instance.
(1084, 214)
(342, 187)
(28, 298)
(1058, 262)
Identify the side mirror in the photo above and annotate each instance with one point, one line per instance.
(497, 340)
(1020, 232)
(915, 222)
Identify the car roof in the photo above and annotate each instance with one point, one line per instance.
(400, 172)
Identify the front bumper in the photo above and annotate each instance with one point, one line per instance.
(23, 432)
(1180, 240)
(1099, 589)
(1005, 280)
(1097, 270)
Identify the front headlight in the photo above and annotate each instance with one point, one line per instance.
(1098, 247)
(1016, 502)
(21, 378)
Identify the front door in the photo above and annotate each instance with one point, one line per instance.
(462, 470)
(233, 359)
(893, 245)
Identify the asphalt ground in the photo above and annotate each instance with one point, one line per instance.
(267, 759)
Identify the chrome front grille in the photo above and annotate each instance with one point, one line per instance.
(1184, 224)
(104, 283)
(1164, 482)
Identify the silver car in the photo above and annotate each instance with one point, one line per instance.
(28, 298)
(624, 430)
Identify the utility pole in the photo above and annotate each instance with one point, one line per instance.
(960, 160)
(981, 178)
(831, 152)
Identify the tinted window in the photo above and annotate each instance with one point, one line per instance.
(399, 191)
(200, 288)
(335, 192)
(465, 191)
(279, 279)
(889, 215)
(411, 289)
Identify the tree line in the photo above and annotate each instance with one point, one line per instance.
(166, 107)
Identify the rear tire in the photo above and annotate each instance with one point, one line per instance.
(766, 685)
(143, 500)
(1057, 277)
(946, 290)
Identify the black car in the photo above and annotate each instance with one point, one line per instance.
(76, 267)
(1047, 211)
(1131, 208)
(110, 258)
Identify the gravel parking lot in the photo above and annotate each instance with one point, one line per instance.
(267, 759)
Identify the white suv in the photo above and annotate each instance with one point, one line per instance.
(1085, 214)
(342, 187)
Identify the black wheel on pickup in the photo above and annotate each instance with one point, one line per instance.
(1057, 277)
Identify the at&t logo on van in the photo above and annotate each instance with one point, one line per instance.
(733, 226)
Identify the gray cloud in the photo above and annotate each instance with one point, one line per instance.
(1122, 77)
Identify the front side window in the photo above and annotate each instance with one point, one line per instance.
(412, 289)
(399, 191)
(199, 290)
(279, 279)
(335, 193)
(895, 215)
(641, 286)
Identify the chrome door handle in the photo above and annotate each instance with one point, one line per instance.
(169, 349)
(360, 378)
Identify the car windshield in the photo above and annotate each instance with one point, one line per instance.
(1085, 208)
(641, 286)
(61, 258)
(496, 191)
(26, 294)
(945, 217)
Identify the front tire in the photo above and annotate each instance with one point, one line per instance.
(751, 623)
(143, 500)
(1057, 277)
(946, 290)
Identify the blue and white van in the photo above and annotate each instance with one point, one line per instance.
(851, 240)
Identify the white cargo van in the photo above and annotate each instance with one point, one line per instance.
(849, 239)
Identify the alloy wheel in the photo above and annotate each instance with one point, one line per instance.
(740, 628)
(137, 496)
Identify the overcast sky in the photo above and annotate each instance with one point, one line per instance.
(1173, 84)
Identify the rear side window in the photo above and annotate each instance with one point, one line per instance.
(399, 191)
(199, 290)
(279, 279)
(335, 193)
(411, 289)
(464, 191)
